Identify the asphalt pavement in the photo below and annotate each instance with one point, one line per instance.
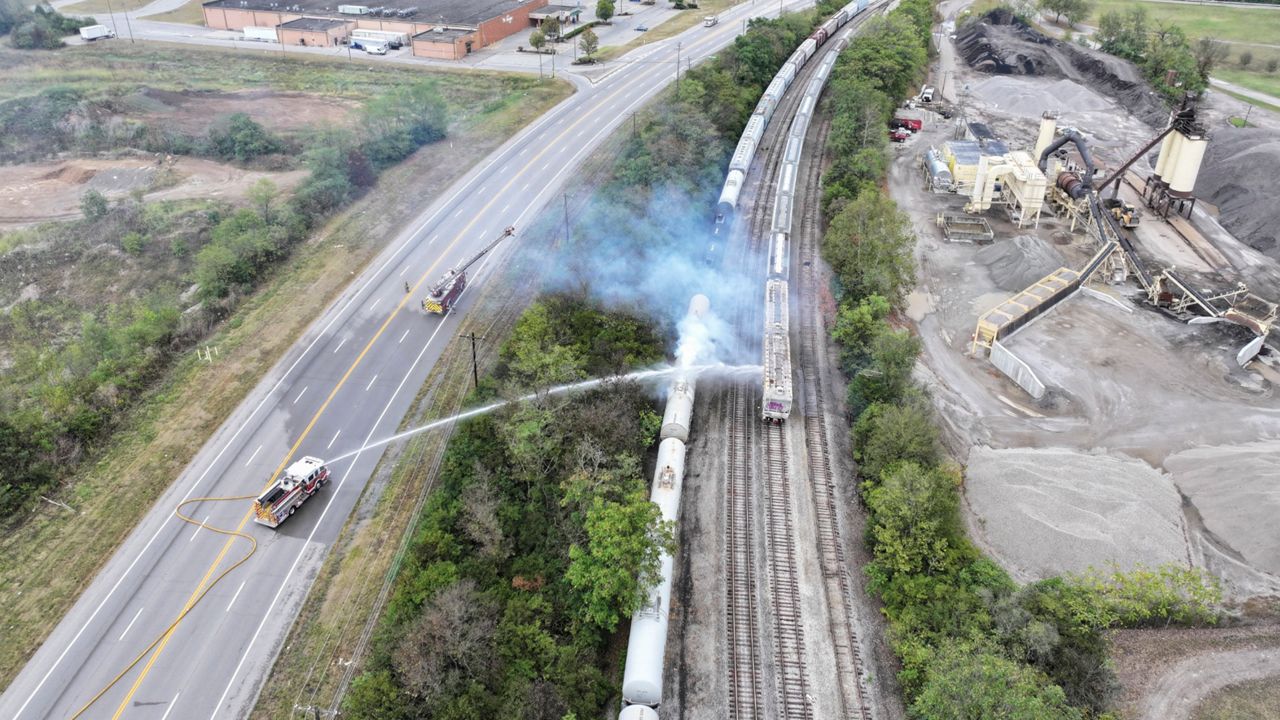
(349, 379)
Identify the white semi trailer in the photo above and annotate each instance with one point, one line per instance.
(394, 40)
(96, 32)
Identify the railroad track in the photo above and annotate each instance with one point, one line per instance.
(744, 640)
(835, 568)
(784, 584)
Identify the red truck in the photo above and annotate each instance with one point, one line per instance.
(910, 120)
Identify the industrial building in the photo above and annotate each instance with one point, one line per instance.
(443, 29)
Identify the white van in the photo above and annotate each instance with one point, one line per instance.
(710, 20)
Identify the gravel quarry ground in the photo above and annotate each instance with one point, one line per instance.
(1151, 445)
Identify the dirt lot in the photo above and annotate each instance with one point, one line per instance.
(193, 112)
(38, 192)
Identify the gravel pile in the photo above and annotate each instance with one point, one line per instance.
(1239, 177)
(1042, 512)
(1019, 261)
(1029, 98)
(1001, 45)
(1236, 488)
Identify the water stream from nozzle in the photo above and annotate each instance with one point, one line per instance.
(718, 370)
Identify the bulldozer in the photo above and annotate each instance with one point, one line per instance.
(1126, 214)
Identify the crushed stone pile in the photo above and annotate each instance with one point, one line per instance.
(1238, 177)
(1019, 261)
(1030, 98)
(1236, 488)
(1000, 44)
(1043, 512)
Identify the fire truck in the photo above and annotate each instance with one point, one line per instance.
(447, 291)
(296, 486)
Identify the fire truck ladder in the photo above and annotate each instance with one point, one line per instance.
(438, 290)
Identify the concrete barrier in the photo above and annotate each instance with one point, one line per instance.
(1017, 370)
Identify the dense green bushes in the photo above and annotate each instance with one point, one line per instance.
(41, 27)
(1164, 53)
(536, 543)
(972, 643)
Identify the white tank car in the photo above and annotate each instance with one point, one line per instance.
(777, 353)
(675, 421)
(638, 712)
(729, 198)
(642, 678)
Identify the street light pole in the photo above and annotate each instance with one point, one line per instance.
(678, 70)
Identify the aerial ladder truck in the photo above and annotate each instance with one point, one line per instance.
(447, 291)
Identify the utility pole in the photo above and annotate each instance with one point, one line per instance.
(566, 217)
(475, 366)
(678, 71)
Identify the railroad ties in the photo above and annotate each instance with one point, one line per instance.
(744, 640)
(784, 583)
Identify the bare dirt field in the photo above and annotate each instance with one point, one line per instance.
(194, 112)
(38, 192)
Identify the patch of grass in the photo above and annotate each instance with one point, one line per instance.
(676, 25)
(189, 14)
(113, 490)
(1246, 701)
(1269, 84)
(1234, 23)
(91, 7)
(1249, 100)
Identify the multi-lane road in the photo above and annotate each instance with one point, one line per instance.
(349, 379)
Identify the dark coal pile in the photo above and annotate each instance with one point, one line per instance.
(999, 43)
(1238, 177)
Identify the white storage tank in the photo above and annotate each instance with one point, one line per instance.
(1185, 164)
(353, 9)
(1166, 151)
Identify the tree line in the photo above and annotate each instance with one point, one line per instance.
(65, 391)
(39, 27)
(972, 642)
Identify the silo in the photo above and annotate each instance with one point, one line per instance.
(1166, 152)
(1048, 125)
(1186, 164)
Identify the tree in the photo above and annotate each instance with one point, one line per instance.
(1078, 10)
(94, 205)
(966, 682)
(1209, 53)
(262, 194)
(888, 434)
(537, 39)
(604, 10)
(242, 139)
(915, 521)
(448, 645)
(869, 245)
(1272, 64)
(551, 28)
(614, 572)
(856, 327)
(589, 43)
(1246, 57)
(376, 696)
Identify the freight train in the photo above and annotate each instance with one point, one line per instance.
(754, 131)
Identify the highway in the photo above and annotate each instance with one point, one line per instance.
(348, 380)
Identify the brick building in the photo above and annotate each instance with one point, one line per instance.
(445, 29)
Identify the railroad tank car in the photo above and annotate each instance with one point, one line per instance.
(642, 678)
(638, 712)
(675, 421)
(729, 199)
(777, 354)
